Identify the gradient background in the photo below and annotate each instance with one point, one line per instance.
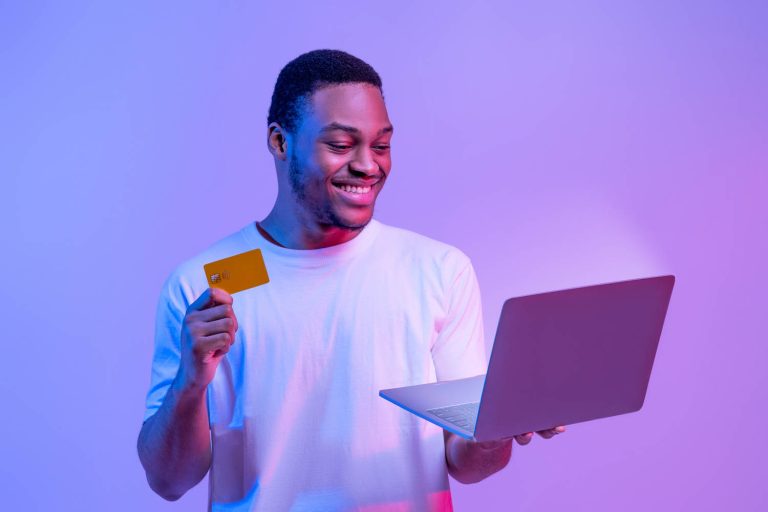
(557, 143)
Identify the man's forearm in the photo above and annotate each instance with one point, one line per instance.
(175, 443)
(469, 462)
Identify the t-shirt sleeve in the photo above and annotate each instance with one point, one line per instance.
(171, 308)
(459, 350)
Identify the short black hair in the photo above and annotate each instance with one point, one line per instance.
(308, 72)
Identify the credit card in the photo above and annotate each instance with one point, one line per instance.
(237, 273)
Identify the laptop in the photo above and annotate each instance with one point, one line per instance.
(558, 358)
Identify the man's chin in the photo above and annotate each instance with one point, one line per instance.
(353, 226)
(351, 223)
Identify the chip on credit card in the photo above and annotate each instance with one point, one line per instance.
(237, 273)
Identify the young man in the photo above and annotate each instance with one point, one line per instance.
(276, 392)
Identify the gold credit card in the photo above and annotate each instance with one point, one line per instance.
(237, 273)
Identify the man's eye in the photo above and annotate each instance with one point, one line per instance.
(382, 147)
(339, 146)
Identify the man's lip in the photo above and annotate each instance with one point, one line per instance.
(355, 183)
(357, 199)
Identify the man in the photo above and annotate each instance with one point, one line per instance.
(276, 393)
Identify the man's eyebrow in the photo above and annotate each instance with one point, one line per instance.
(351, 129)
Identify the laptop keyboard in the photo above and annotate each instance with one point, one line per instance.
(462, 415)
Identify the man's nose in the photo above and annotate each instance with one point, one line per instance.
(364, 163)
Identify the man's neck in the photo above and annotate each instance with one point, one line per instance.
(266, 234)
(291, 233)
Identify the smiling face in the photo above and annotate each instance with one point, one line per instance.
(339, 157)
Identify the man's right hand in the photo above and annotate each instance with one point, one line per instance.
(175, 443)
(207, 332)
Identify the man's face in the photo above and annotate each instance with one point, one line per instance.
(340, 157)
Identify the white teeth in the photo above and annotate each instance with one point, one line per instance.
(355, 190)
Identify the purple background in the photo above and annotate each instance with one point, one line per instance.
(558, 144)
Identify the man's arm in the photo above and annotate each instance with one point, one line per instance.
(470, 462)
(174, 444)
(458, 352)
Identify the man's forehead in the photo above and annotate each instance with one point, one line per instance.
(348, 107)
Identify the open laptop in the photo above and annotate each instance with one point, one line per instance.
(559, 358)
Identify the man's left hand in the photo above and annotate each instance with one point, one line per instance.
(522, 439)
(472, 461)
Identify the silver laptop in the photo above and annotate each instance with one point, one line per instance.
(559, 358)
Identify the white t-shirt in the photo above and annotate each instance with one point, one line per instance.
(296, 420)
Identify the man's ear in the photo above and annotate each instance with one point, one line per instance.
(277, 141)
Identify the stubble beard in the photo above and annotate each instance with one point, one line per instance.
(321, 213)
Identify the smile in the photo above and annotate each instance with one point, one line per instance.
(353, 190)
(356, 195)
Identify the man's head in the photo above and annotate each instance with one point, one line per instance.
(307, 73)
(329, 133)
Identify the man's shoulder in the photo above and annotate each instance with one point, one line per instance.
(189, 274)
(412, 245)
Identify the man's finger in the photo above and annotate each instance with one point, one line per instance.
(202, 301)
(524, 439)
(220, 296)
(219, 342)
(211, 297)
(225, 324)
(215, 312)
(551, 432)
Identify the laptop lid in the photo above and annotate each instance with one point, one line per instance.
(572, 355)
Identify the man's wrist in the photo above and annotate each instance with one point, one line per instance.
(187, 392)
